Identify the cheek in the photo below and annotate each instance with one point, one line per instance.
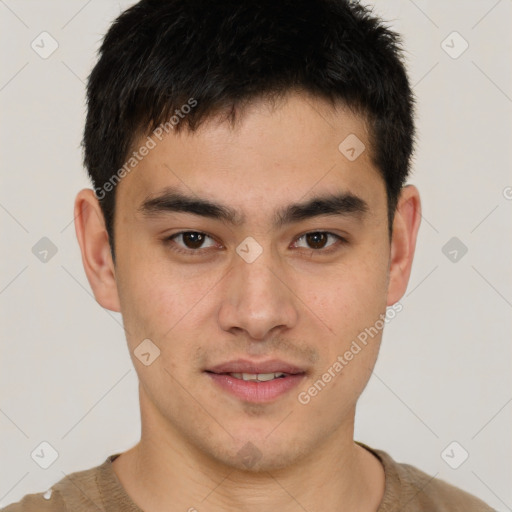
(166, 303)
(353, 295)
(352, 305)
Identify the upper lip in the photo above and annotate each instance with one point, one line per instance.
(246, 366)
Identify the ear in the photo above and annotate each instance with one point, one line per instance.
(403, 242)
(96, 257)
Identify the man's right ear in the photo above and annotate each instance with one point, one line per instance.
(96, 257)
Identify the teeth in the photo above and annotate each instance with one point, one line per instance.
(258, 377)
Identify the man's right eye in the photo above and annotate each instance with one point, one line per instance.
(192, 242)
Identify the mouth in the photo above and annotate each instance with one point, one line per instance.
(258, 377)
(256, 382)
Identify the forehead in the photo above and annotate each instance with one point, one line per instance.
(301, 146)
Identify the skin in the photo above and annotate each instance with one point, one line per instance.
(292, 303)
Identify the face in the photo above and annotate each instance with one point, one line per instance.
(269, 281)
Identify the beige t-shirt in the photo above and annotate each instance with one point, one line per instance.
(407, 489)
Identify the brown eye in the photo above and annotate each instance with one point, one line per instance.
(317, 240)
(191, 242)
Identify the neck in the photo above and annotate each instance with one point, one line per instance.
(164, 471)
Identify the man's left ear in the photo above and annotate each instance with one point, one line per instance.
(403, 242)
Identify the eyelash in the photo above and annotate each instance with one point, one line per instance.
(197, 252)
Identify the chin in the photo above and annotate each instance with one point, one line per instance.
(258, 454)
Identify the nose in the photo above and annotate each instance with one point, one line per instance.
(258, 298)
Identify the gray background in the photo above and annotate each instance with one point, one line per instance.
(443, 374)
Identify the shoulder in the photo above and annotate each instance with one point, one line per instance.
(49, 501)
(430, 493)
(409, 488)
(75, 492)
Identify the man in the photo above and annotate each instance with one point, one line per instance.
(249, 220)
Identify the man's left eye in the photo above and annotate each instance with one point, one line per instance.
(317, 240)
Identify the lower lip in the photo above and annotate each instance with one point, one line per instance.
(256, 392)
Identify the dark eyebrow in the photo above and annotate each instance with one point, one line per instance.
(171, 200)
